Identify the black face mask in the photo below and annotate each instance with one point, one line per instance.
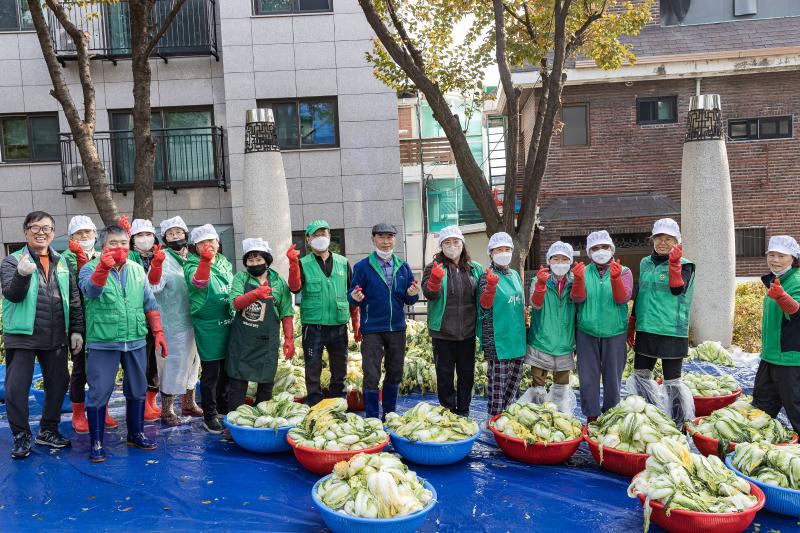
(257, 270)
(177, 245)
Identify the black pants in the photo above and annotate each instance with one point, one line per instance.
(152, 368)
(237, 390)
(77, 379)
(19, 375)
(672, 367)
(315, 340)
(390, 345)
(455, 358)
(214, 388)
(778, 386)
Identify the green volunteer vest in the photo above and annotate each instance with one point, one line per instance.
(772, 320)
(18, 318)
(553, 326)
(508, 317)
(324, 299)
(210, 307)
(436, 307)
(658, 311)
(118, 314)
(599, 315)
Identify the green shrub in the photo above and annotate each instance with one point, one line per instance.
(747, 316)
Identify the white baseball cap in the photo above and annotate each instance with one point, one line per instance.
(204, 233)
(667, 226)
(599, 237)
(255, 245)
(80, 222)
(174, 222)
(499, 239)
(140, 224)
(560, 248)
(450, 232)
(784, 244)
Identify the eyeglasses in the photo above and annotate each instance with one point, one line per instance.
(47, 230)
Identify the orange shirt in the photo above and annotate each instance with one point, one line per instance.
(45, 260)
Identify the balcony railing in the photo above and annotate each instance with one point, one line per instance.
(192, 32)
(185, 157)
(434, 151)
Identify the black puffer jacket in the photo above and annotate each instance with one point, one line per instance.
(48, 326)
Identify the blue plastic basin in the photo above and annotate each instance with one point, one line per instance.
(433, 453)
(779, 500)
(260, 440)
(66, 405)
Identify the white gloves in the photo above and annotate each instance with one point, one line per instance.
(75, 342)
(26, 266)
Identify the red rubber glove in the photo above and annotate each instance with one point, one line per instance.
(80, 255)
(435, 281)
(288, 337)
(578, 291)
(631, 330)
(203, 272)
(104, 266)
(675, 277)
(154, 323)
(487, 298)
(540, 287)
(156, 265)
(263, 292)
(295, 279)
(355, 316)
(787, 304)
(617, 285)
(358, 294)
(125, 224)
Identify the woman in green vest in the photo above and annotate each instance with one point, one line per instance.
(602, 291)
(261, 303)
(777, 382)
(659, 325)
(209, 276)
(502, 323)
(450, 283)
(551, 339)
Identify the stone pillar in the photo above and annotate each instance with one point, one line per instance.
(707, 224)
(266, 197)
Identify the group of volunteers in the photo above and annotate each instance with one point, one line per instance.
(167, 305)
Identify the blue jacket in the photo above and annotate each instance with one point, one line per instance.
(382, 310)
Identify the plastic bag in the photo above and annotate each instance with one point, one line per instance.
(564, 398)
(680, 403)
(641, 383)
(534, 395)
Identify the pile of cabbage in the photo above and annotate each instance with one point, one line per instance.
(280, 411)
(426, 422)
(712, 352)
(631, 426)
(374, 486)
(708, 385)
(290, 378)
(741, 422)
(683, 480)
(328, 426)
(768, 463)
(533, 422)
(418, 373)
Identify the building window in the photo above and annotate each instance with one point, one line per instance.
(750, 129)
(276, 7)
(30, 138)
(449, 203)
(412, 207)
(306, 123)
(15, 16)
(657, 110)
(12, 247)
(336, 246)
(751, 242)
(576, 125)
(496, 138)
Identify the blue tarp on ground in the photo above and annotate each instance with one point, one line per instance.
(198, 482)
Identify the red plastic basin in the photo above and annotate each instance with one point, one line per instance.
(322, 461)
(538, 453)
(709, 445)
(705, 405)
(617, 461)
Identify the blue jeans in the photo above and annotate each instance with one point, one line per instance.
(101, 374)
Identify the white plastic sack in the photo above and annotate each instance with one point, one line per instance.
(564, 398)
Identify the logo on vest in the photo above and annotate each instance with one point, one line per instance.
(514, 299)
(661, 277)
(254, 312)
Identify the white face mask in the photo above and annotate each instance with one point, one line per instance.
(782, 272)
(502, 259)
(87, 244)
(384, 255)
(601, 257)
(144, 242)
(559, 269)
(452, 252)
(320, 244)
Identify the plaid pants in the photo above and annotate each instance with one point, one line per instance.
(504, 378)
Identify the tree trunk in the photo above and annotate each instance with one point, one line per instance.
(144, 142)
(82, 129)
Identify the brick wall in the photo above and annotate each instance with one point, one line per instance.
(623, 157)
